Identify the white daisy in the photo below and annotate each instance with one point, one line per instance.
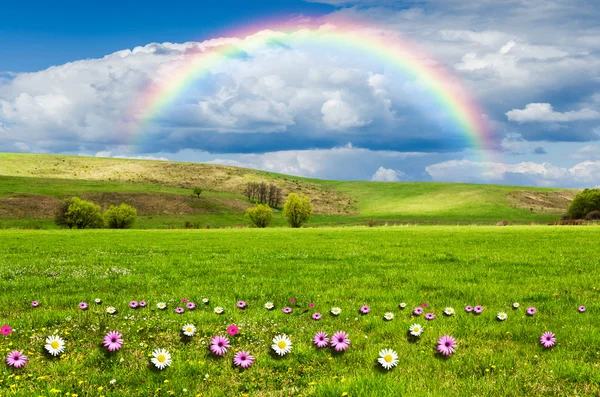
(161, 358)
(269, 305)
(161, 305)
(389, 316)
(189, 330)
(415, 330)
(388, 358)
(282, 345)
(336, 311)
(111, 310)
(98, 301)
(219, 310)
(449, 311)
(402, 305)
(55, 345)
(502, 316)
(205, 301)
(516, 305)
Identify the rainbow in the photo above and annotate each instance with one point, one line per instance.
(443, 88)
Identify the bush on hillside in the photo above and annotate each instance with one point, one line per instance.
(79, 214)
(121, 217)
(197, 191)
(593, 216)
(297, 210)
(584, 203)
(260, 216)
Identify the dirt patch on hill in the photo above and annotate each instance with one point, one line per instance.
(28, 206)
(551, 202)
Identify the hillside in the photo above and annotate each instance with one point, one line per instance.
(31, 187)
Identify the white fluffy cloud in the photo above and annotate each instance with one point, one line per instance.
(387, 175)
(544, 112)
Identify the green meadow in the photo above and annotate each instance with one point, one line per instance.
(554, 269)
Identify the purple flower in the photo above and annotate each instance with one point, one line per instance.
(113, 341)
(321, 340)
(16, 359)
(340, 341)
(219, 345)
(35, 303)
(184, 300)
(469, 309)
(429, 316)
(287, 310)
(548, 339)
(190, 305)
(417, 311)
(143, 303)
(425, 304)
(446, 345)
(311, 305)
(581, 309)
(531, 311)
(6, 330)
(292, 300)
(478, 309)
(241, 304)
(179, 310)
(83, 306)
(133, 304)
(233, 330)
(365, 309)
(243, 359)
(317, 316)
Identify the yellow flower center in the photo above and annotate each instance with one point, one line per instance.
(55, 345)
(416, 329)
(188, 329)
(388, 358)
(161, 358)
(282, 344)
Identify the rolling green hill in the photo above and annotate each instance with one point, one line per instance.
(32, 186)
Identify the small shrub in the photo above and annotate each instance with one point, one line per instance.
(297, 210)
(121, 217)
(79, 214)
(260, 216)
(373, 222)
(502, 223)
(584, 203)
(593, 216)
(197, 191)
(191, 225)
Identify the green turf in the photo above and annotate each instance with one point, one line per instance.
(552, 268)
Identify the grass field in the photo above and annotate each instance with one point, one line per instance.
(554, 269)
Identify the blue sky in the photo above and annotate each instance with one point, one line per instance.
(71, 75)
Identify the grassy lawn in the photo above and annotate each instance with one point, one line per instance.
(555, 269)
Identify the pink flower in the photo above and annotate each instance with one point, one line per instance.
(133, 304)
(233, 330)
(425, 304)
(321, 340)
(311, 305)
(190, 305)
(241, 304)
(548, 339)
(417, 311)
(581, 309)
(340, 341)
(292, 300)
(446, 345)
(113, 341)
(243, 359)
(531, 311)
(6, 330)
(478, 309)
(143, 303)
(35, 303)
(429, 316)
(469, 309)
(287, 310)
(83, 306)
(179, 310)
(317, 316)
(365, 309)
(219, 345)
(16, 359)
(184, 300)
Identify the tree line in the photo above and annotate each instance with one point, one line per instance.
(263, 193)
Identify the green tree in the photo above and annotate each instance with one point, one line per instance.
(197, 191)
(260, 216)
(79, 214)
(121, 217)
(297, 210)
(584, 203)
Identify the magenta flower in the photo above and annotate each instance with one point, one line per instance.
(292, 300)
(190, 305)
(417, 311)
(548, 339)
(317, 316)
(233, 330)
(287, 310)
(478, 309)
(83, 306)
(241, 304)
(243, 359)
(133, 304)
(531, 311)
(446, 345)
(16, 359)
(113, 341)
(340, 341)
(429, 316)
(179, 310)
(184, 300)
(321, 340)
(6, 330)
(581, 309)
(469, 309)
(311, 305)
(219, 345)
(143, 304)
(365, 309)
(425, 304)
(35, 303)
